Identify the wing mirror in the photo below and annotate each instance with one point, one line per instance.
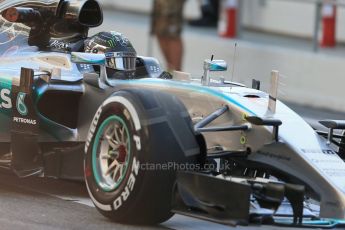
(88, 58)
(96, 79)
(114, 60)
(212, 66)
(216, 65)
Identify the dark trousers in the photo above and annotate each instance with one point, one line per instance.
(210, 9)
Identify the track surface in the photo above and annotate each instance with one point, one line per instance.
(46, 204)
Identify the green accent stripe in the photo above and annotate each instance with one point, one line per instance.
(99, 134)
(188, 86)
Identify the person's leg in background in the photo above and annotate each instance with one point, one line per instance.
(209, 14)
(167, 26)
(172, 49)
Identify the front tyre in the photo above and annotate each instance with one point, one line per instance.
(135, 141)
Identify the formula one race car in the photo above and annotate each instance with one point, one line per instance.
(149, 144)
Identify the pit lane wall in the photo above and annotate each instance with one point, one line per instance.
(290, 17)
(311, 79)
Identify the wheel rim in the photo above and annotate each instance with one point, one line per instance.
(111, 153)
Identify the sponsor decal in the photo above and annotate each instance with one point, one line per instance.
(5, 95)
(323, 151)
(126, 114)
(119, 38)
(130, 185)
(137, 142)
(93, 128)
(59, 44)
(323, 161)
(334, 172)
(21, 107)
(274, 156)
(24, 121)
(23, 110)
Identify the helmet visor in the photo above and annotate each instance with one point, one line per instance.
(124, 61)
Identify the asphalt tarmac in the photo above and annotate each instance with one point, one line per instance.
(49, 204)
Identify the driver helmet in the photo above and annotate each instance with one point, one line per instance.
(120, 54)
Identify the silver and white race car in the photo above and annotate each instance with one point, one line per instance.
(149, 144)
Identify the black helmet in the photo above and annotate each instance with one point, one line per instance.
(120, 54)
